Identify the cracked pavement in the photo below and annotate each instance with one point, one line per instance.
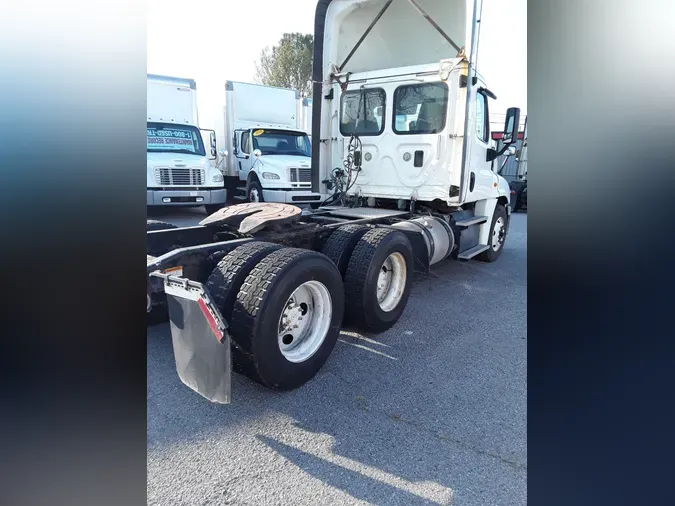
(432, 411)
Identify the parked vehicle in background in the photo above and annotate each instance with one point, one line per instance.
(180, 171)
(514, 170)
(267, 153)
(403, 148)
(305, 115)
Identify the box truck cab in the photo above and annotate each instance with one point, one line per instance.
(267, 155)
(180, 169)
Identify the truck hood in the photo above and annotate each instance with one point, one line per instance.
(279, 163)
(286, 160)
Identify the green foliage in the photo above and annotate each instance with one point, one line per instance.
(288, 64)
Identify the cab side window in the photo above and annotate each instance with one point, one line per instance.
(244, 142)
(482, 122)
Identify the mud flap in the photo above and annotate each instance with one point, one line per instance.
(201, 344)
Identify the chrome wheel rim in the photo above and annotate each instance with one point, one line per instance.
(254, 196)
(305, 321)
(391, 282)
(498, 234)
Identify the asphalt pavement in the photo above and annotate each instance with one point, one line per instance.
(433, 411)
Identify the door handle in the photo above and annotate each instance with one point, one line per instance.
(419, 158)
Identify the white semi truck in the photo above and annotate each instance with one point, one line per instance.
(401, 141)
(180, 169)
(267, 153)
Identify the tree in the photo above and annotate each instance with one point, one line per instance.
(288, 64)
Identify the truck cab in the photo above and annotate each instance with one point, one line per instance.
(274, 163)
(268, 152)
(400, 105)
(180, 169)
(411, 132)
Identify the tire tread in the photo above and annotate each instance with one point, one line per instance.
(250, 300)
(225, 280)
(339, 241)
(357, 272)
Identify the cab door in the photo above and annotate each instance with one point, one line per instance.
(242, 143)
(419, 127)
(481, 178)
(363, 113)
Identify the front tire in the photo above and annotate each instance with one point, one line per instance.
(254, 192)
(287, 318)
(378, 279)
(497, 236)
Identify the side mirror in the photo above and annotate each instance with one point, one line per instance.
(212, 139)
(511, 125)
(257, 153)
(223, 153)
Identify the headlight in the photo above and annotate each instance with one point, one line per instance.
(270, 175)
(218, 178)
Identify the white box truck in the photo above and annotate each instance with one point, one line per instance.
(266, 155)
(180, 169)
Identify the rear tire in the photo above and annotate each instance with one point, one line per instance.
(269, 348)
(341, 243)
(381, 254)
(497, 236)
(231, 272)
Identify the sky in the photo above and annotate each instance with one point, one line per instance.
(212, 41)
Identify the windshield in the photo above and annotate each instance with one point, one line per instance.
(281, 142)
(167, 138)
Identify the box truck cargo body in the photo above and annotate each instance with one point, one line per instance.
(180, 171)
(305, 115)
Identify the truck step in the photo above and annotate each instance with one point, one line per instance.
(474, 220)
(472, 252)
(239, 197)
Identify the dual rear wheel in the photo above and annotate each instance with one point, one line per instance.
(285, 306)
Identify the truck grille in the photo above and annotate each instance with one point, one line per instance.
(167, 176)
(300, 175)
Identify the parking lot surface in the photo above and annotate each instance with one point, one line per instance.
(433, 411)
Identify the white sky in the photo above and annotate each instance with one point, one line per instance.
(212, 41)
